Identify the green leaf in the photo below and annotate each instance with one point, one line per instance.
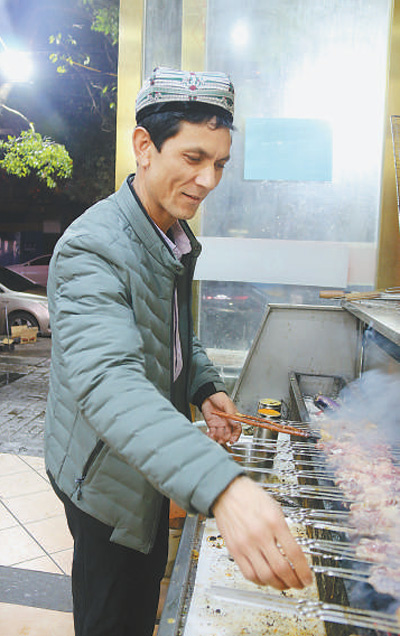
(30, 153)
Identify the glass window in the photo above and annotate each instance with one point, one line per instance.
(303, 60)
(323, 63)
(295, 61)
(163, 34)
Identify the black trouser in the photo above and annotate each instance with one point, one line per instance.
(115, 589)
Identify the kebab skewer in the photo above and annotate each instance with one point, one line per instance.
(264, 423)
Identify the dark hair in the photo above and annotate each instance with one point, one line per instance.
(166, 121)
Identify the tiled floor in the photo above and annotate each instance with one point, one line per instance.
(34, 538)
(35, 553)
(31, 621)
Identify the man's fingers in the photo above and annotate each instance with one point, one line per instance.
(257, 536)
(285, 556)
(283, 569)
(269, 567)
(235, 431)
(219, 432)
(224, 432)
(292, 553)
(255, 568)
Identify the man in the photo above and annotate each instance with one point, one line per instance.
(126, 365)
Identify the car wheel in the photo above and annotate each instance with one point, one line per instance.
(19, 318)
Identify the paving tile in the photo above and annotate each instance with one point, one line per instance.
(31, 621)
(10, 464)
(17, 546)
(52, 534)
(64, 560)
(41, 564)
(35, 506)
(23, 402)
(6, 519)
(22, 483)
(34, 588)
(35, 462)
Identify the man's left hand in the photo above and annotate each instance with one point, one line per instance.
(219, 428)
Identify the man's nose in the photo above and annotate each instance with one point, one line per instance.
(207, 178)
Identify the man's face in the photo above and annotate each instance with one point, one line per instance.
(174, 181)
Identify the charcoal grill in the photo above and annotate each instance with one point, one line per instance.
(298, 352)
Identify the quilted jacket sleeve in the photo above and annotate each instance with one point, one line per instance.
(100, 356)
(205, 378)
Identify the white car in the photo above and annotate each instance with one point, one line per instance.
(22, 302)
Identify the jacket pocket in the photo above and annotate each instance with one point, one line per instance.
(91, 465)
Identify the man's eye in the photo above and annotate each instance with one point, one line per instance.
(193, 159)
(220, 166)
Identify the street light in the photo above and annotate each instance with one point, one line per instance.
(16, 66)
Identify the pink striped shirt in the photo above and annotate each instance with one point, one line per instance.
(179, 246)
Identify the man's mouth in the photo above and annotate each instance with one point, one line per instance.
(192, 197)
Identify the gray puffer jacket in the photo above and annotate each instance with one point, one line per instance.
(114, 441)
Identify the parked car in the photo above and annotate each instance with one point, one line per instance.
(37, 269)
(22, 302)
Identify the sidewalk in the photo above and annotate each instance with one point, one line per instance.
(24, 375)
(35, 552)
(35, 543)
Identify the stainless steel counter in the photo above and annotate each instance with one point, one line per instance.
(383, 315)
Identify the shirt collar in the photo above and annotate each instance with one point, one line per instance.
(181, 244)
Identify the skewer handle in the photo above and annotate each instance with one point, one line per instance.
(331, 293)
(262, 423)
(336, 293)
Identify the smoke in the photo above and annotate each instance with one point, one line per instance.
(361, 448)
(364, 596)
(370, 407)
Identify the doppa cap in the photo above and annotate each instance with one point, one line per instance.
(168, 88)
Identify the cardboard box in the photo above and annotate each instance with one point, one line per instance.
(26, 334)
(7, 343)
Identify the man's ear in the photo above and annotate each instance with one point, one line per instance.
(142, 146)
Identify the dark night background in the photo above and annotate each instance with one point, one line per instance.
(72, 108)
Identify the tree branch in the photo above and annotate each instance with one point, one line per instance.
(16, 112)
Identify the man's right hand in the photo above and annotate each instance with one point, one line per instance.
(258, 538)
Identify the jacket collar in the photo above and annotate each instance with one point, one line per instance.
(143, 226)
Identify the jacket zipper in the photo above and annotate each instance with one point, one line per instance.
(172, 349)
(190, 332)
(79, 480)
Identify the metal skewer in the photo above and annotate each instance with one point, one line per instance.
(286, 471)
(318, 513)
(332, 556)
(313, 609)
(306, 490)
(308, 448)
(341, 573)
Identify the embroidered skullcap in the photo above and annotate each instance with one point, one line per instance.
(169, 89)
